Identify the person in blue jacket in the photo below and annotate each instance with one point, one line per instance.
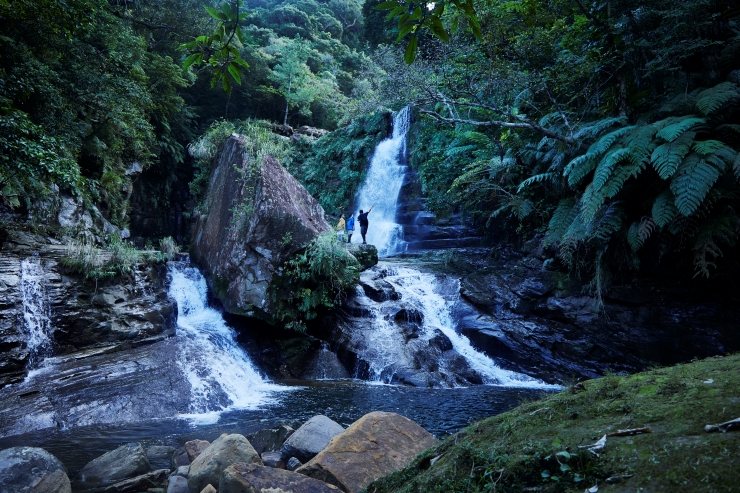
(350, 227)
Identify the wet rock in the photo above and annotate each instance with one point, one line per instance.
(241, 254)
(441, 341)
(182, 471)
(272, 459)
(373, 446)
(366, 255)
(310, 438)
(271, 439)
(139, 483)
(194, 448)
(177, 484)
(32, 470)
(251, 478)
(127, 461)
(223, 452)
(293, 464)
(159, 456)
(209, 489)
(179, 458)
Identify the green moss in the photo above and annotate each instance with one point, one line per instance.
(535, 447)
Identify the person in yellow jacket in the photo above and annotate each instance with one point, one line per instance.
(341, 226)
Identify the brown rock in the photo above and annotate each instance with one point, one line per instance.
(373, 446)
(194, 448)
(251, 478)
(257, 215)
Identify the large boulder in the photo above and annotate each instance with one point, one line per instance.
(127, 461)
(310, 438)
(270, 439)
(366, 255)
(223, 452)
(159, 456)
(32, 470)
(373, 446)
(256, 217)
(251, 478)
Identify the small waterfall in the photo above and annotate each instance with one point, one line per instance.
(382, 186)
(220, 372)
(36, 311)
(420, 292)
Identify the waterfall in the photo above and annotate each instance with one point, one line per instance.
(219, 371)
(420, 291)
(36, 311)
(382, 186)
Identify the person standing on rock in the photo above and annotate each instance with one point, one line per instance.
(350, 227)
(340, 228)
(362, 217)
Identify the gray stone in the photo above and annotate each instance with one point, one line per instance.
(178, 484)
(139, 483)
(270, 439)
(194, 448)
(310, 438)
(159, 456)
(127, 461)
(251, 478)
(272, 459)
(32, 470)
(209, 489)
(239, 252)
(179, 458)
(223, 452)
(181, 471)
(294, 464)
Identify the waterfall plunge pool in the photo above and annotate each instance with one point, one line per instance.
(440, 411)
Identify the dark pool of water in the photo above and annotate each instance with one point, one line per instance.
(440, 411)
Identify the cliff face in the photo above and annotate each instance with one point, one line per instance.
(256, 217)
(76, 314)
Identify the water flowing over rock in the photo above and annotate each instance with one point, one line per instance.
(375, 445)
(399, 327)
(252, 224)
(32, 470)
(382, 185)
(35, 311)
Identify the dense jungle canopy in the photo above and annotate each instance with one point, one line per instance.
(608, 132)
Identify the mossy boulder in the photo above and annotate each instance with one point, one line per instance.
(366, 255)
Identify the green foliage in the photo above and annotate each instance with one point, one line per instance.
(116, 257)
(169, 247)
(315, 278)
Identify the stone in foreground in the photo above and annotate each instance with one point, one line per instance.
(127, 461)
(310, 438)
(32, 470)
(223, 452)
(373, 446)
(251, 478)
(139, 483)
(270, 439)
(178, 484)
(193, 448)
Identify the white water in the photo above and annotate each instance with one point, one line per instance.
(382, 186)
(220, 372)
(36, 311)
(421, 291)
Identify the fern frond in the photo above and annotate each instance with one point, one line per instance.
(705, 147)
(454, 151)
(641, 144)
(536, 179)
(606, 166)
(639, 232)
(561, 219)
(579, 167)
(682, 103)
(672, 132)
(605, 223)
(733, 127)
(521, 208)
(604, 143)
(736, 166)
(477, 138)
(691, 183)
(592, 129)
(719, 229)
(667, 157)
(664, 208)
(712, 99)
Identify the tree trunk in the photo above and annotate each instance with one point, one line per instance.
(285, 120)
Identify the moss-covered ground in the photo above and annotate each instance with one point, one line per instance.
(537, 446)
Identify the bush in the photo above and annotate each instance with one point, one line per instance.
(115, 258)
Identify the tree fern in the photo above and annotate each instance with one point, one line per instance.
(705, 147)
(712, 99)
(561, 219)
(706, 248)
(593, 129)
(605, 223)
(606, 166)
(641, 143)
(536, 179)
(692, 182)
(667, 157)
(664, 208)
(604, 143)
(639, 232)
(671, 132)
(579, 168)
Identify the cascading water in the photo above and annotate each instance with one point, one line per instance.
(419, 292)
(220, 373)
(382, 186)
(36, 311)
